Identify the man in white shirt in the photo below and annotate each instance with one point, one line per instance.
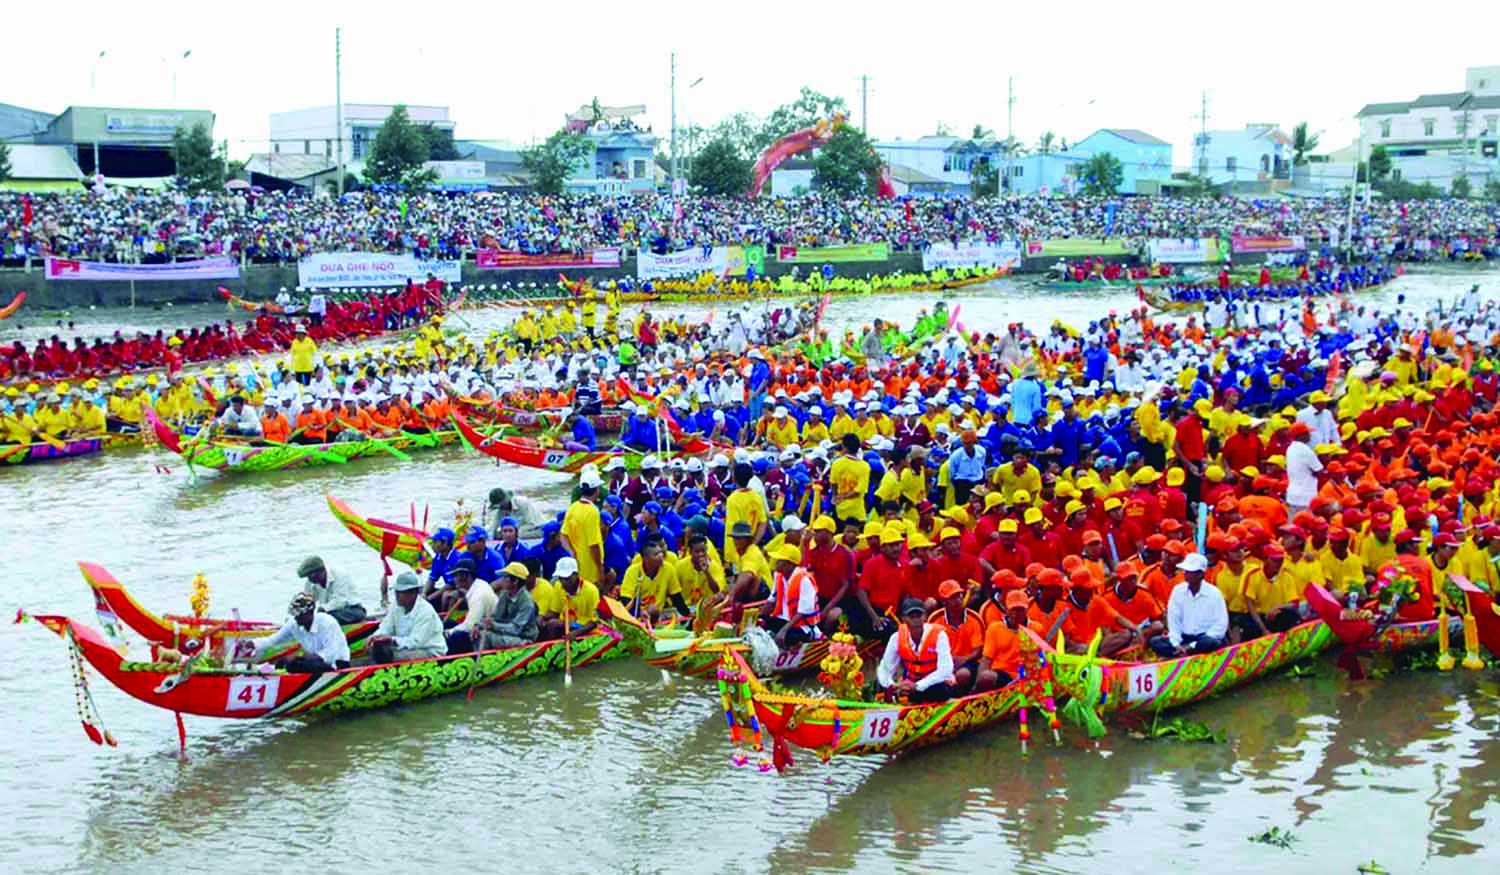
(479, 598)
(239, 419)
(1319, 418)
(920, 652)
(332, 589)
(1197, 618)
(1302, 467)
(410, 630)
(324, 647)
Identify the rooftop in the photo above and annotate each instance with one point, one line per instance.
(17, 121)
(1136, 136)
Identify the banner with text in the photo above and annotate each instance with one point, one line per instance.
(1193, 250)
(497, 259)
(948, 256)
(450, 272)
(203, 269)
(689, 262)
(1268, 244)
(342, 270)
(740, 259)
(1072, 247)
(833, 254)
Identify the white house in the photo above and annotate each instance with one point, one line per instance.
(316, 131)
(1438, 137)
(1257, 157)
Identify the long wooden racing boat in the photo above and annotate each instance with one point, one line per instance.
(405, 544)
(1358, 630)
(533, 420)
(837, 727)
(10, 309)
(1160, 298)
(1481, 606)
(189, 634)
(1170, 683)
(238, 456)
(41, 451)
(526, 452)
(197, 688)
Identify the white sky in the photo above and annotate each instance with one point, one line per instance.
(511, 71)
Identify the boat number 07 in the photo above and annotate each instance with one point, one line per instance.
(554, 458)
(252, 693)
(788, 658)
(1142, 683)
(879, 726)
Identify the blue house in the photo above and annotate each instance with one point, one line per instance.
(1146, 161)
(622, 161)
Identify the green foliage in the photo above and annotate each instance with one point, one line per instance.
(398, 153)
(440, 145)
(1491, 190)
(552, 163)
(1303, 144)
(4, 161)
(199, 166)
(847, 163)
(1461, 187)
(742, 130)
(809, 106)
(1197, 186)
(1276, 837)
(1379, 164)
(1102, 175)
(984, 179)
(1182, 729)
(720, 170)
(1046, 144)
(1398, 189)
(981, 132)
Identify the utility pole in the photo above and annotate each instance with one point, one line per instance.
(338, 102)
(1202, 145)
(864, 105)
(672, 174)
(1010, 135)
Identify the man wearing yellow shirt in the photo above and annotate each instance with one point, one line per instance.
(1342, 569)
(569, 606)
(1483, 564)
(1232, 578)
(815, 432)
(303, 350)
(18, 426)
(651, 580)
(864, 426)
(1378, 548)
(1019, 476)
(581, 533)
(782, 431)
(744, 505)
(849, 479)
(699, 572)
(85, 418)
(50, 418)
(1304, 567)
(842, 424)
(1273, 597)
(752, 580)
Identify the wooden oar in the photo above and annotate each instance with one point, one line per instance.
(380, 444)
(47, 438)
(312, 450)
(567, 642)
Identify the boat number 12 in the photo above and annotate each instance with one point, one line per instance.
(1142, 681)
(879, 726)
(252, 693)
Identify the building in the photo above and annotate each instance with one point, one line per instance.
(1145, 161)
(40, 169)
(1256, 159)
(793, 177)
(937, 164)
(586, 116)
(21, 124)
(622, 160)
(1438, 137)
(316, 131)
(121, 143)
(503, 170)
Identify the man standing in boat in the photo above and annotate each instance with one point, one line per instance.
(917, 665)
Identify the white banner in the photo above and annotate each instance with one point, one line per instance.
(342, 270)
(689, 262)
(1194, 250)
(947, 256)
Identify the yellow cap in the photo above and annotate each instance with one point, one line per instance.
(1033, 516)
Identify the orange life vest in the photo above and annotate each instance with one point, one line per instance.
(789, 595)
(921, 662)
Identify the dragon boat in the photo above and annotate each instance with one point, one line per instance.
(406, 544)
(495, 413)
(528, 453)
(10, 309)
(42, 451)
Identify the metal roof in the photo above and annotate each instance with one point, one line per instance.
(1136, 136)
(42, 162)
(1384, 108)
(1451, 100)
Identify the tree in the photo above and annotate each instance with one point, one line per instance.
(200, 167)
(440, 145)
(809, 106)
(398, 153)
(1303, 144)
(1102, 175)
(943, 130)
(720, 170)
(1380, 164)
(553, 162)
(1194, 185)
(741, 130)
(1491, 188)
(1045, 144)
(1461, 187)
(984, 179)
(4, 161)
(981, 132)
(847, 163)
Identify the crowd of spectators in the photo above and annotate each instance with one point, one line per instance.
(265, 227)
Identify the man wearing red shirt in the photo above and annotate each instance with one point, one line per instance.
(1125, 534)
(882, 584)
(1243, 449)
(832, 568)
(1043, 545)
(951, 563)
(1006, 552)
(1191, 448)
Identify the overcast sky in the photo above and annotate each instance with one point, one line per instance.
(510, 71)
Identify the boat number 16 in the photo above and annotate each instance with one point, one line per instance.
(252, 693)
(1142, 683)
(879, 726)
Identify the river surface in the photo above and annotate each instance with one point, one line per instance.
(625, 772)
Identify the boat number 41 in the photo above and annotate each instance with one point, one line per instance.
(252, 693)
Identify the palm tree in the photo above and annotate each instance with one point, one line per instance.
(981, 132)
(1303, 144)
(1044, 143)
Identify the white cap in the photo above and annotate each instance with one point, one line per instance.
(780, 413)
(694, 466)
(860, 406)
(566, 567)
(615, 464)
(650, 462)
(741, 455)
(792, 524)
(788, 455)
(719, 461)
(589, 480)
(1194, 562)
(674, 464)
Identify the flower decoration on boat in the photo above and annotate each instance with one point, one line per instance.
(199, 599)
(842, 670)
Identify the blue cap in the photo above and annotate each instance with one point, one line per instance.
(665, 492)
(477, 533)
(443, 534)
(653, 506)
(551, 527)
(614, 500)
(509, 521)
(692, 494)
(692, 509)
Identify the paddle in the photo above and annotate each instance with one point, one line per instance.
(380, 444)
(567, 641)
(47, 438)
(311, 450)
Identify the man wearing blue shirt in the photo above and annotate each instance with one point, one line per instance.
(584, 437)
(444, 557)
(486, 564)
(966, 467)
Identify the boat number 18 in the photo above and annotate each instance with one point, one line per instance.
(252, 693)
(1142, 683)
(879, 726)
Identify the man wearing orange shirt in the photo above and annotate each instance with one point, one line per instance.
(311, 425)
(1089, 616)
(1001, 660)
(965, 634)
(1133, 603)
(1160, 579)
(275, 428)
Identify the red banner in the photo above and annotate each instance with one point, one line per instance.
(497, 259)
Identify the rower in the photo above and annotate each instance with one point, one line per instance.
(651, 581)
(917, 665)
(507, 504)
(321, 640)
(444, 559)
(794, 599)
(478, 599)
(239, 419)
(1197, 618)
(568, 594)
(410, 630)
(332, 589)
(1000, 663)
(513, 620)
(965, 633)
